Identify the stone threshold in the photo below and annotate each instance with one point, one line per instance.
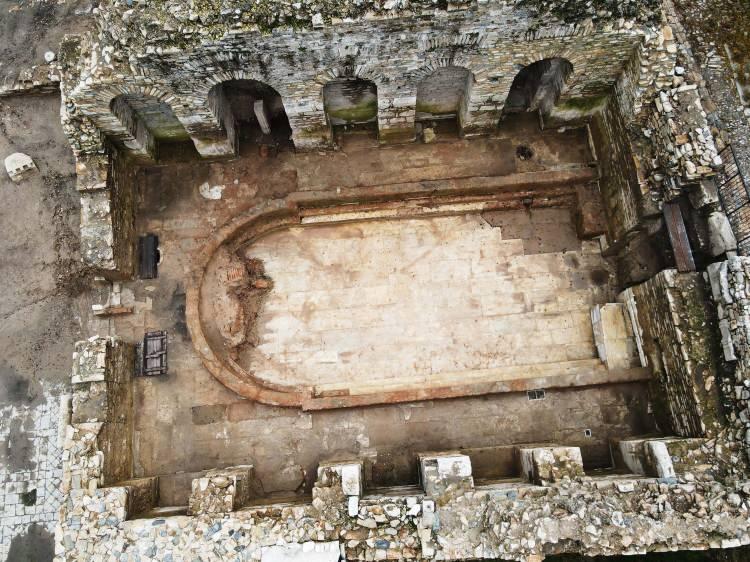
(517, 378)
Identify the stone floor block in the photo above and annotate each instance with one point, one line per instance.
(548, 464)
(440, 472)
(305, 552)
(143, 494)
(222, 490)
(348, 475)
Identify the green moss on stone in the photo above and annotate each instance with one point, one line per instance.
(434, 109)
(582, 105)
(360, 113)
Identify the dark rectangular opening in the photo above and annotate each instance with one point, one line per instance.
(148, 256)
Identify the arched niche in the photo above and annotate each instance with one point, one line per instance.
(252, 113)
(538, 86)
(443, 96)
(149, 121)
(351, 104)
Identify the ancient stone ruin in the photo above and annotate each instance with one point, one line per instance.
(399, 280)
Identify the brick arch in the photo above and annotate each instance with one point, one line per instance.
(211, 80)
(101, 98)
(530, 59)
(567, 52)
(467, 39)
(96, 104)
(434, 63)
(342, 71)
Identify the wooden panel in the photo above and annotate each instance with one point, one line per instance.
(683, 254)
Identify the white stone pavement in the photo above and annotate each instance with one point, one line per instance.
(30, 467)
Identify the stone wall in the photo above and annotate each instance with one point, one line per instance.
(99, 439)
(106, 183)
(683, 143)
(561, 510)
(493, 41)
(677, 326)
(454, 520)
(619, 182)
(619, 68)
(731, 293)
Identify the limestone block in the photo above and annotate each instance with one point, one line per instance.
(548, 464)
(444, 471)
(143, 494)
(222, 490)
(631, 454)
(704, 193)
(727, 345)
(306, 552)
(662, 457)
(718, 276)
(613, 336)
(348, 476)
(627, 298)
(19, 166)
(91, 172)
(661, 460)
(721, 238)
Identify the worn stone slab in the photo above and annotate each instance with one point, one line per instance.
(222, 490)
(547, 464)
(442, 471)
(305, 552)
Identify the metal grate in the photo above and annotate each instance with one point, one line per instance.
(537, 394)
(734, 194)
(153, 361)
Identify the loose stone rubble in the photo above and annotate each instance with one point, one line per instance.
(19, 166)
(222, 490)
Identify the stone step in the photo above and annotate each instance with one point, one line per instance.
(585, 375)
(509, 373)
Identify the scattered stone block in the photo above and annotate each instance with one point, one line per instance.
(721, 238)
(305, 552)
(143, 494)
(613, 336)
(661, 460)
(222, 490)
(348, 476)
(19, 166)
(548, 464)
(444, 472)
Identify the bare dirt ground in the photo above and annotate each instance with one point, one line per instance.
(39, 270)
(29, 28)
(719, 35)
(40, 277)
